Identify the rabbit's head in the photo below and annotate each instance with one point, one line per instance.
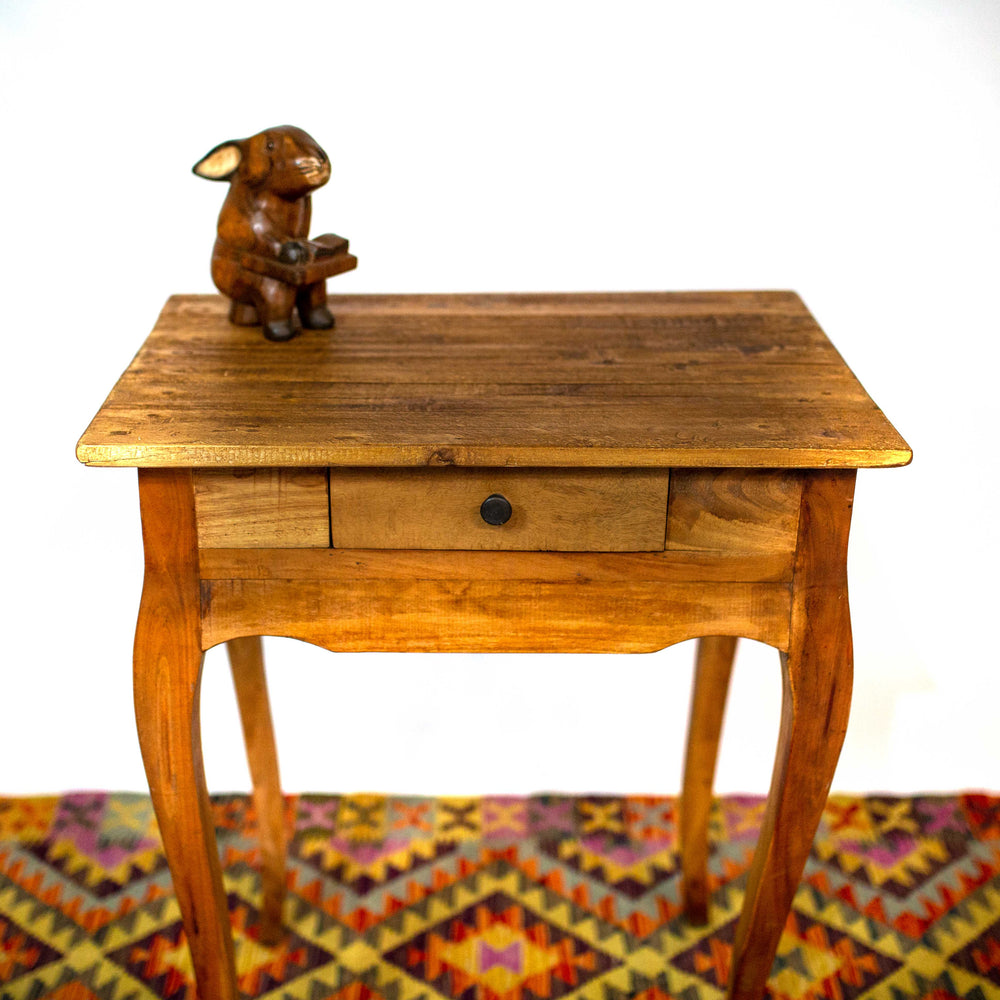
(284, 160)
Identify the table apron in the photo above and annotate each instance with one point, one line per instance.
(543, 602)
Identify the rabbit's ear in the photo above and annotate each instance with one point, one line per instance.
(221, 163)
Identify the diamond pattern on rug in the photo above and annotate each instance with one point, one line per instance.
(982, 956)
(498, 948)
(502, 898)
(101, 842)
(162, 960)
(896, 845)
(630, 868)
(20, 952)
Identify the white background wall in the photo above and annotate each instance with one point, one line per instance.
(848, 150)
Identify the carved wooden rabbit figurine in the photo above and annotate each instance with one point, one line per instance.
(263, 258)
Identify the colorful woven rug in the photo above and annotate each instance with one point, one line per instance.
(502, 899)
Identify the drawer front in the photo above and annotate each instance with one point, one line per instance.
(554, 510)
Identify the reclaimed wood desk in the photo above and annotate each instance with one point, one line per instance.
(564, 473)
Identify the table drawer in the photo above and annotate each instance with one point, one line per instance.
(570, 510)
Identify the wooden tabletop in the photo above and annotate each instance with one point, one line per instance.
(736, 379)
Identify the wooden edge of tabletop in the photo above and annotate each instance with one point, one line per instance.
(421, 456)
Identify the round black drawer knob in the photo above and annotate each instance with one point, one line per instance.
(496, 509)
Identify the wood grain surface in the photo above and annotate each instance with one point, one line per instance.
(246, 661)
(817, 671)
(712, 672)
(718, 379)
(589, 510)
(167, 684)
(482, 616)
(429, 564)
(262, 508)
(454, 601)
(734, 510)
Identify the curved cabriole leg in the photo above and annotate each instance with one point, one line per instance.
(713, 669)
(817, 676)
(167, 685)
(246, 659)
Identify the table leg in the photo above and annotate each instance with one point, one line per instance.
(167, 686)
(246, 660)
(817, 673)
(713, 668)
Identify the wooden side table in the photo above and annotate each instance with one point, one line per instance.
(571, 473)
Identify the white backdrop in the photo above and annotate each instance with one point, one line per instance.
(848, 150)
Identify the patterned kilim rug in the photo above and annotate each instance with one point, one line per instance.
(502, 899)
